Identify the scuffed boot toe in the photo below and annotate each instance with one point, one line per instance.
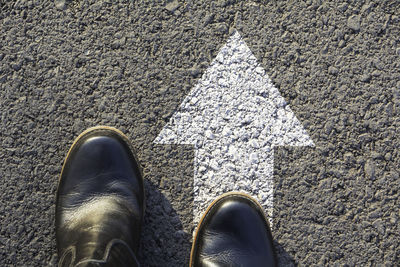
(100, 200)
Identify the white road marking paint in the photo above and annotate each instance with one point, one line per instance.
(234, 117)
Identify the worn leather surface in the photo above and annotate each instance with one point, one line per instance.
(233, 232)
(117, 253)
(100, 199)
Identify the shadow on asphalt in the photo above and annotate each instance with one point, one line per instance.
(284, 259)
(163, 240)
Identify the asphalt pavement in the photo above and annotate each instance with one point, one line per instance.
(69, 65)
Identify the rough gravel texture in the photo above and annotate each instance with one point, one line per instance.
(67, 65)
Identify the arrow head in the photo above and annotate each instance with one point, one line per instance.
(234, 102)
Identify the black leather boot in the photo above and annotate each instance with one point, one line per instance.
(100, 201)
(233, 232)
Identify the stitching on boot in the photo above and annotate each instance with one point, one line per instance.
(69, 251)
(107, 251)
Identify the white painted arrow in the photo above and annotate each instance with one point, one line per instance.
(234, 117)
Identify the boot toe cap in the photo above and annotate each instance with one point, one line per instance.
(233, 232)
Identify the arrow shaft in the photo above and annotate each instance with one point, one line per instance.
(217, 171)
